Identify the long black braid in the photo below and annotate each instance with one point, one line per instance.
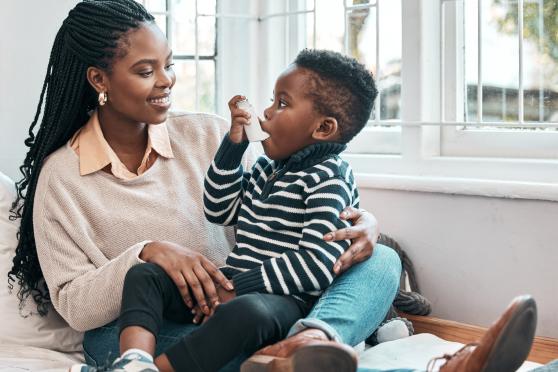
(91, 35)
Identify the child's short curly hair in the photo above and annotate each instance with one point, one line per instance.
(340, 87)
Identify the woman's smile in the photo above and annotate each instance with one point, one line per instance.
(161, 102)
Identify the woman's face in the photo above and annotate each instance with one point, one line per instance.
(139, 85)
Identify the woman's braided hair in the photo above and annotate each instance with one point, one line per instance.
(93, 34)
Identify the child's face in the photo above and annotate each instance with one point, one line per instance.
(291, 119)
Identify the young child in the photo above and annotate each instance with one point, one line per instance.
(292, 196)
(282, 208)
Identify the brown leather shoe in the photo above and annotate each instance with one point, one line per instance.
(307, 351)
(503, 347)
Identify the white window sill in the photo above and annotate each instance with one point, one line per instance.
(459, 186)
(498, 178)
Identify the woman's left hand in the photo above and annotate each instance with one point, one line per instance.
(224, 297)
(363, 235)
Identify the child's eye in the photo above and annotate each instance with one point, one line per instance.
(282, 103)
(169, 66)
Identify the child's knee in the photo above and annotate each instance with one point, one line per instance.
(249, 312)
(143, 272)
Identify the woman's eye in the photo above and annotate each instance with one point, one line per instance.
(169, 66)
(146, 73)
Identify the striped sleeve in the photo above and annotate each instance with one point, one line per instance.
(310, 268)
(225, 183)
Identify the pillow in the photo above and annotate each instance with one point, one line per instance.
(23, 326)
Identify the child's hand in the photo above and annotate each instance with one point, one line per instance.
(239, 118)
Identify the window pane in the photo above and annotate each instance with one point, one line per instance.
(183, 28)
(540, 35)
(500, 60)
(184, 92)
(183, 23)
(358, 2)
(206, 31)
(155, 5)
(362, 46)
(389, 79)
(161, 21)
(207, 7)
(330, 25)
(361, 40)
(471, 57)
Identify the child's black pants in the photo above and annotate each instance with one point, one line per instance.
(242, 325)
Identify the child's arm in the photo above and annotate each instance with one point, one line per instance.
(225, 183)
(308, 269)
(225, 180)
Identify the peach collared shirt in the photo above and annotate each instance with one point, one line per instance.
(95, 153)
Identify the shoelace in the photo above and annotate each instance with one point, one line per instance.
(432, 362)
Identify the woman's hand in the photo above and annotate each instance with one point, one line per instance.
(239, 118)
(363, 235)
(224, 297)
(190, 271)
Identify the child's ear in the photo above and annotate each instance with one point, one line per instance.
(327, 129)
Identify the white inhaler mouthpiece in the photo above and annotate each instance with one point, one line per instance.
(254, 131)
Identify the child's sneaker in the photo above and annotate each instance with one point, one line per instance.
(133, 360)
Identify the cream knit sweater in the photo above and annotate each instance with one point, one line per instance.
(89, 230)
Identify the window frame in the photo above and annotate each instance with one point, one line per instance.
(423, 162)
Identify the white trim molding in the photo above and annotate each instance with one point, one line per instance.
(460, 186)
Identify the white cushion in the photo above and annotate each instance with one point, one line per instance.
(24, 326)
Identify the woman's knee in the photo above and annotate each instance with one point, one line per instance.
(389, 259)
(383, 267)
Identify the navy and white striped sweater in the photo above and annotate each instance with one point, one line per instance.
(282, 210)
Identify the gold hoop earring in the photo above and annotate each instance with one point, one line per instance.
(103, 98)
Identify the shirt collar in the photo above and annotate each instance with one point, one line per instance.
(95, 153)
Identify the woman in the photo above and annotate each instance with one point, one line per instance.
(104, 190)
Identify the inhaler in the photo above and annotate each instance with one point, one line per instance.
(254, 131)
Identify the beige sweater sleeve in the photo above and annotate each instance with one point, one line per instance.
(85, 287)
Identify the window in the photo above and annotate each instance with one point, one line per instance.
(506, 89)
(190, 27)
(468, 88)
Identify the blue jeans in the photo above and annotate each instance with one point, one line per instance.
(349, 311)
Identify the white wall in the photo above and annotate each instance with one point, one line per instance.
(28, 30)
(472, 254)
